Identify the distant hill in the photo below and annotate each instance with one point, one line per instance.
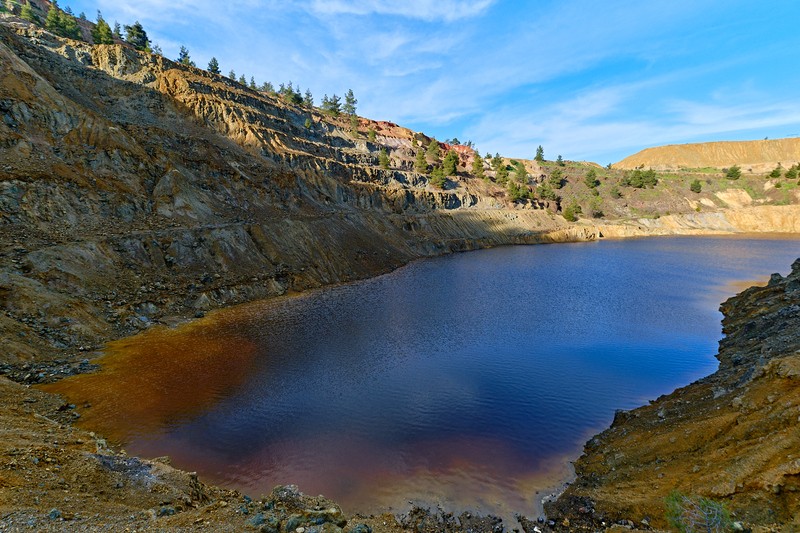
(761, 156)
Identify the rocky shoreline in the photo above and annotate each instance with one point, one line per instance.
(56, 476)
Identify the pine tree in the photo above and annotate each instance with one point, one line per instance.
(450, 163)
(332, 105)
(497, 162)
(421, 164)
(308, 100)
(136, 36)
(560, 160)
(101, 33)
(242, 80)
(69, 26)
(232, 75)
(539, 154)
(350, 102)
(520, 174)
(433, 152)
(590, 179)
(253, 83)
(383, 159)
(267, 87)
(501, 176)
(183, 57)
(556, 179)
(117, 31)
(734, 173)
(53, 21)
(477, 167)
(213, 66)
(62, 23)
(516, 191)
(27, 13)
(438, 178)
(372, 135)
(157, 50)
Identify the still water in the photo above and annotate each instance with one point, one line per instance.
(468, 380)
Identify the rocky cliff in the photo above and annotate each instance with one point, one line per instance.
(758, 156)
(732, 436)
(134, 188)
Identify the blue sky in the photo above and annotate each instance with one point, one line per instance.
(589, 80)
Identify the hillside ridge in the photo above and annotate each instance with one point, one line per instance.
(752, 156)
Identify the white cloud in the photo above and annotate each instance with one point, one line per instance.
(582, 78)
(619, 132)
(427, 10)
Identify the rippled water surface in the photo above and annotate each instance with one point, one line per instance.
(466, 380)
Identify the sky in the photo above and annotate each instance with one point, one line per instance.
(588, 80)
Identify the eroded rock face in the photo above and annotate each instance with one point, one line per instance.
(133, 188)
(733, 436)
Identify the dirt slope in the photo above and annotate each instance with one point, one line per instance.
(733, 436)
(760, 156)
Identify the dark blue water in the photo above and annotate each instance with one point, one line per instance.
(467, 380)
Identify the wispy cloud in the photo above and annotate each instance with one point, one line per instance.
(583, 78)
(427, 10)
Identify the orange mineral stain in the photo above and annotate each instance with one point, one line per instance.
(158, 378)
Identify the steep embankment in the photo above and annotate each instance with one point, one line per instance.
(759, 156)
(133, 188)
(732, 436)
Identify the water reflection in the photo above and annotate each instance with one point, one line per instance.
(465, 380)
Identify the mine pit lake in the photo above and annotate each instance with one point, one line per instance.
(468, 381)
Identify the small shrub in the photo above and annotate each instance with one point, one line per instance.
(438, 178)
(733, 173)
(383, 159)
(572, 211)
(590, 179)
(690, 514)
(696, 186)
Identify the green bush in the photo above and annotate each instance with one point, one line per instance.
(438, 178)
(590, 179)
(733, 173)
(572, 211)
(556, 179)
(640, 179)
(383, 159)
(696, 186)
(696, 514)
